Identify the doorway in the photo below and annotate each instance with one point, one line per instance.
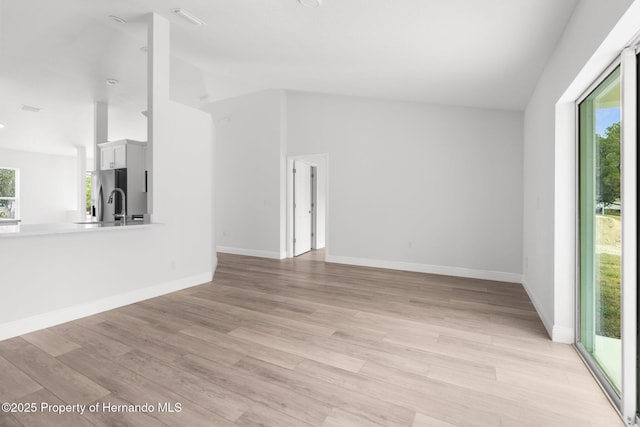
(303, 207)
(607, 304)
(306, 204)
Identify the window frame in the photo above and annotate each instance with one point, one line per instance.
(16, 197)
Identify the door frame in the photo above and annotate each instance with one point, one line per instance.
(299, 170)
(315, 161)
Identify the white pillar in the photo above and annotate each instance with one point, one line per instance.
(100, 130)
(158, 63)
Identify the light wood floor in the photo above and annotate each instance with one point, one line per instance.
(305, 343)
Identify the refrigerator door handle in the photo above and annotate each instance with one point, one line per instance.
(100, 205)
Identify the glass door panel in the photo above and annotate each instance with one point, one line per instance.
(600, 228)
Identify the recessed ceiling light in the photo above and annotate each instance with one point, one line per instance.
(185, 14)
(1, 126)
(311, 3)
(30, 108)
(111, 82)
(117, 19)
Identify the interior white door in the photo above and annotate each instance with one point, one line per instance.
(301, 208)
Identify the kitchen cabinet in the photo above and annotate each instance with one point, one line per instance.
(113, 157)
(119, 154)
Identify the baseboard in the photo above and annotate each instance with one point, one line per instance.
(498, 276)
(251, 252)
(214, 265)
(560, 334)
(56, 317)
(564, 335)
(546, 322)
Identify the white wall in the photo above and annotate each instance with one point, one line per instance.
(549, 215)
(249, 172)
(419, 187)
(47, 185)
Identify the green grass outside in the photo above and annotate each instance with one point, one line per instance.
(608, 322)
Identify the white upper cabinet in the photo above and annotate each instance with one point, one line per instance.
(114, 155)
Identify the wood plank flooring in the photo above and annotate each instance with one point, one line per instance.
(306, 343)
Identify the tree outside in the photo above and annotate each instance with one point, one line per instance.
(608, 264)
(88, 193)
(7, 183)
(608, 172)
(7, 192)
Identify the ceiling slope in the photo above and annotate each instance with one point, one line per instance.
(56, 55)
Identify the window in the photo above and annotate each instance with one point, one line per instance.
(9, 193)
(88, 185)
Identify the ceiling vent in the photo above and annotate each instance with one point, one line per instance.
(117, 19)
(311, 3)
(30, 109)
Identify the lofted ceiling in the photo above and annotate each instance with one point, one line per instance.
(56, 55)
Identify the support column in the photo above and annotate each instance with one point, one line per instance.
(158, 63)
(100, 131)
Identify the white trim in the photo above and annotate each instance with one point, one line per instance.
(560, 334)
(629, 266)
(16, 192)
(563, 334)
(56, 317)
(546, 322)
(214, 265)
(564, 220)
(499, 276)
(252, 252)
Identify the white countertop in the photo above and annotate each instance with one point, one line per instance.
(20, 230)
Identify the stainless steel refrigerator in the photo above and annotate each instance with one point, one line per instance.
(131, 181)
(102, 184)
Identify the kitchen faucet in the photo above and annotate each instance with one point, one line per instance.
(123, 212)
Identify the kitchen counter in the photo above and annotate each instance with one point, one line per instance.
(20, 230)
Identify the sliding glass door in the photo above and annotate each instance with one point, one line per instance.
(607, 203)
(600, 228)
